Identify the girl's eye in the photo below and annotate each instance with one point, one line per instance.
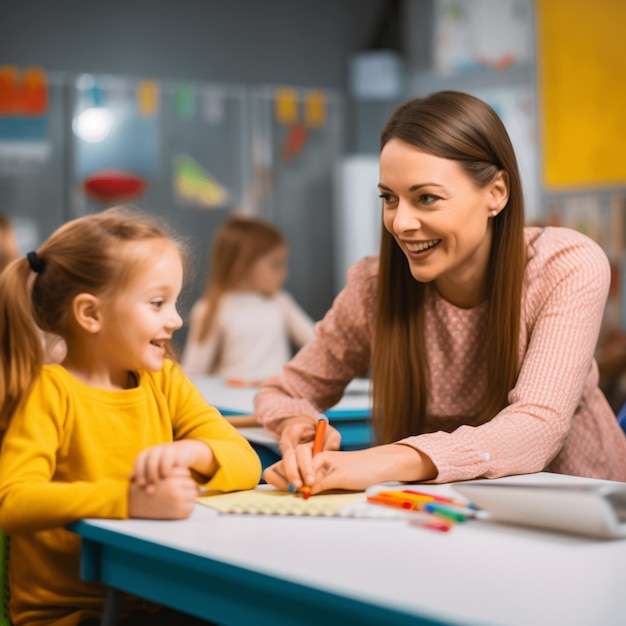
(157, 303)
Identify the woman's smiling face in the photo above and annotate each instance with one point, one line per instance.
(440, 219)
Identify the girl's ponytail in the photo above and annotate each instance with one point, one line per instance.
(21, 349)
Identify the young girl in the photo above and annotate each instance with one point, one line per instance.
(242, 326)
(116, 430)
(480, 332)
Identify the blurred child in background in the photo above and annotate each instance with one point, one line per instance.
(115, 431)
(243, 326)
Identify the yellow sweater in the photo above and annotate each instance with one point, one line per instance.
(68, 454)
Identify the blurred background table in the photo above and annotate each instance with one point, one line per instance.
(351, 416)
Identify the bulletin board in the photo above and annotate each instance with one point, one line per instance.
(582, 92)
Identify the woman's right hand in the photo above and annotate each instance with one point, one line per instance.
(358, 469)
(172, 497)
(297, 459)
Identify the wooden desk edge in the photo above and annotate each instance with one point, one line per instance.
(242, 421)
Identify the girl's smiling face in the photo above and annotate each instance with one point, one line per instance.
(440, 219)
(143, 316)
(127, 328)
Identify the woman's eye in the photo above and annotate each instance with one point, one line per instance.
(386, 197)
(428, 198)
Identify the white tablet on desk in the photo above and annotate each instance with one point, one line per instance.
(588, 508)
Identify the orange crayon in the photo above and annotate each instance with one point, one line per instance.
(320, 434)
(318, 446)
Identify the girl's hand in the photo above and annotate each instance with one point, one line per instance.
(158, 462)
(172, 497)
(296, 448)
(359, 469)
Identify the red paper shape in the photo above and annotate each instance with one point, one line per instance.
(114, 186)
(294, 142)
(34, 92)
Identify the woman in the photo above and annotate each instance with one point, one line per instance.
(480, 333)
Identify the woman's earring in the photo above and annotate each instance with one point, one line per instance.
(493, 212)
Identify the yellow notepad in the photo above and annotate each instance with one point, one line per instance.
(262, 501)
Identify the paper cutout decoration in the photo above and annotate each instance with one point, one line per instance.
(148, 98)
(34, 91)
(110, 186)
(315, 109)
(23, 93)
(9, 89)
(194, 185)
(24, 144)
(286, 106)
(185, 102)
(286, 113)
(294, 142)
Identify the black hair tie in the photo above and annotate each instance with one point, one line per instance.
(36, 264)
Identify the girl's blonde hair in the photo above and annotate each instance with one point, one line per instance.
(460, 127)
(37, 291)
(8, 242)
(237, 245)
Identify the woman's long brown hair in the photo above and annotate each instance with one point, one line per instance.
(460, 127)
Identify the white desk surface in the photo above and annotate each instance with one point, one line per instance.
(478, 573)
(241, 399)
(260, 435)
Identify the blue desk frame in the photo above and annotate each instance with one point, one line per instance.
(351, 416)
(354, 425)
(215, 590)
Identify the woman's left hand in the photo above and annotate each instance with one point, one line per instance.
(296, 448)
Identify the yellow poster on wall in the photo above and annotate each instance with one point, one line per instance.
(582, 92)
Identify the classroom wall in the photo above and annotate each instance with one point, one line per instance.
(250, 42)
(234, 41)
(238, 42)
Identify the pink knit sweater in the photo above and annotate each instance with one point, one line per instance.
(557, 418)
